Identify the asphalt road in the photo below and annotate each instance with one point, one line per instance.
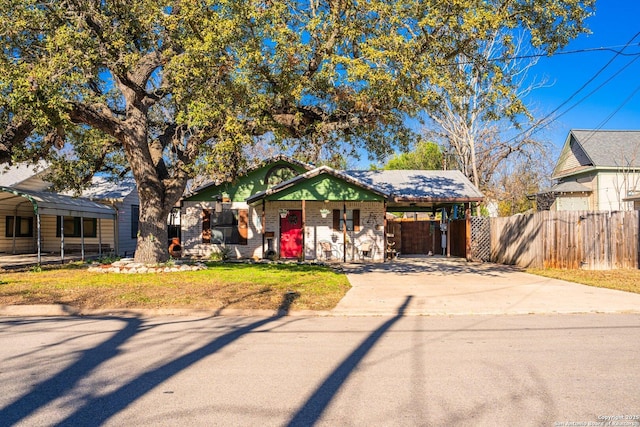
(361, 371)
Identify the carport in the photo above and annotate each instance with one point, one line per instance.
(35, 223)
(423, 194)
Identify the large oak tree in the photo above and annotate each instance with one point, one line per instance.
(159, 88)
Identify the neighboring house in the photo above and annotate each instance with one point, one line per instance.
(287, 209)
(122, 195)
(597, 170)
(37, 221)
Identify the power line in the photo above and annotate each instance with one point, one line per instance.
(549, 118)
(610, 116)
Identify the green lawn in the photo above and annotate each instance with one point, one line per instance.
(624, 280)
(244, 286)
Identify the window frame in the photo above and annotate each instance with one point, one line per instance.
(231, 224)
(353, 220)
(8, 232)
(76, 230)
(135, 221)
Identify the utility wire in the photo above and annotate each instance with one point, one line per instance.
(600, 86)
(549, 118)
(610, 116)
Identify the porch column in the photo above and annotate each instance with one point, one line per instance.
(39, 233)
(99, 225)
(384, 233)
(82, 237)
(62, 239)
(304, 226)
(448, 234)
(15, 230)
(467, 218)
(344, 231)
(263, 224)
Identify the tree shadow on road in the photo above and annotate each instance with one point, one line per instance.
(98, 409)
(312, 410)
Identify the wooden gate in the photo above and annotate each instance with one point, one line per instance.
(420, 237)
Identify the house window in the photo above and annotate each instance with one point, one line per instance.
(353, 220)
(229, 226)
(24, 226)
(73, 226)
(135, 217)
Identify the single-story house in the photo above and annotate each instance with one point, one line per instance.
(287, 209)
(122, 196)
(597, 170)
(38, 221)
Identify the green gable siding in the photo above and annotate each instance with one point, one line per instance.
(244, 186)
(325, 187)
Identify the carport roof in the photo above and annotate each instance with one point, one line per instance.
(47, 203)
(429, 186)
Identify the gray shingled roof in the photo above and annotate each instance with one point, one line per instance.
(105, 189)
(420, 185)
(610, 148)
(570, 187)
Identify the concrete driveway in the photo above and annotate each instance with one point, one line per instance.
(453, 286)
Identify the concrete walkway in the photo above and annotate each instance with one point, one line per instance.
(453, 286)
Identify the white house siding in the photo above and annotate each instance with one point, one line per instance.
(612, 187)
(574, 158)
(564, 203)
(51, 243)
(317, 229)
(22, 244)
(126, 243)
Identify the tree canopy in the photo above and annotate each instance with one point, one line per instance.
(425, 155)
(160, 89)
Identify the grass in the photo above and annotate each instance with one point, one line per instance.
(624, 280)
(242, 286)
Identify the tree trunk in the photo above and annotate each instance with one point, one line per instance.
(153, 234)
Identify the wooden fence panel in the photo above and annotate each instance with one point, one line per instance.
(568, 239)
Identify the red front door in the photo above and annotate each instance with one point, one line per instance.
(291, 235)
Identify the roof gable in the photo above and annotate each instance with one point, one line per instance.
(255, 180)
(321, 184)
(599, 148)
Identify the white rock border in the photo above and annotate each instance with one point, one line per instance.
(128, 266)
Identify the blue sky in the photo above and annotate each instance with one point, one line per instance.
(613, 25)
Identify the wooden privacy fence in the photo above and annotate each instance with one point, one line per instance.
(579, 239)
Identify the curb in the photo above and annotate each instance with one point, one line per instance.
(39, 310)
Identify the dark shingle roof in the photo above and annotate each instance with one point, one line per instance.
(426, 185)
(610, 148)
(570, 187)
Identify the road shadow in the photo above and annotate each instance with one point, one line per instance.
(95, 410)
(57, 385)
(312, 410)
